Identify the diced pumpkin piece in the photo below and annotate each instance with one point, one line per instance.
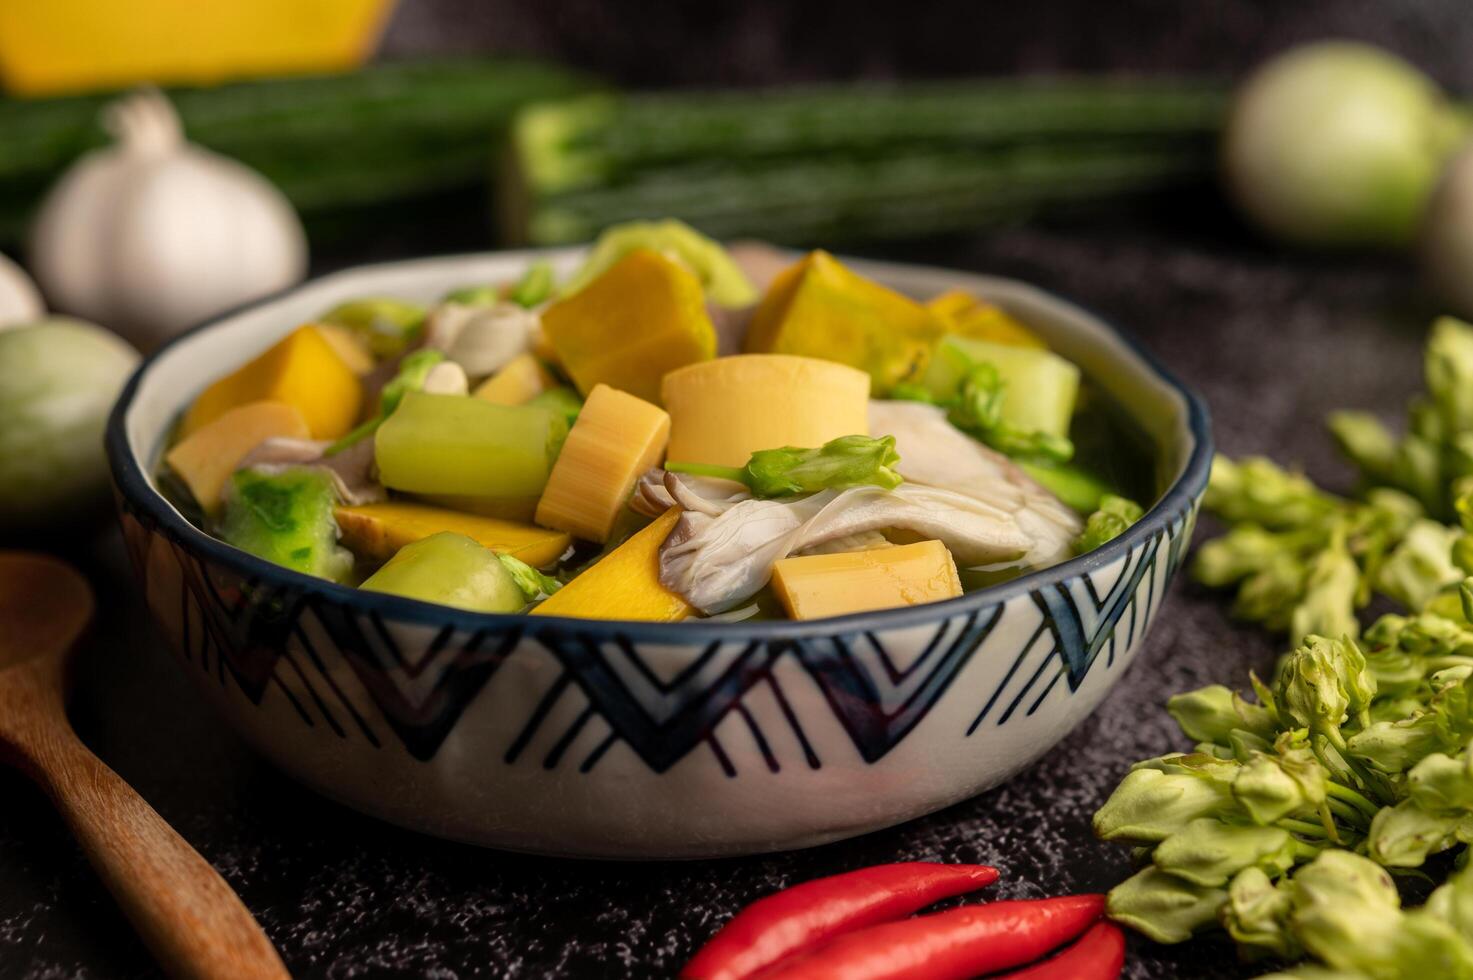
(616, 439)
(452, 570)
(723, 411)
(819, 308)
(519, 381)
(377, 531)
(487, 458)
(967, 316)
(286, 518)
(624, 584)
(347, 345)
(205, 459)
(1039, 387)
(815, 586)
(722, 279)
(642, 318)
(302, 370)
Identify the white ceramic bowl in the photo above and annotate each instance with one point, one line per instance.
(631, 740)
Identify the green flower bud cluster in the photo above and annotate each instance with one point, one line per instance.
(1434, 459)
(1323, 765)
(1303, 560)
(1343, 911)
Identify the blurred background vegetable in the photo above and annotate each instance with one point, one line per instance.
(1338, 143)
(58, 379)
(153, 234)
(19, 301)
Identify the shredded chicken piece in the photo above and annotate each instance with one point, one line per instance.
(935, 453)
(352, 470)
(717, 556)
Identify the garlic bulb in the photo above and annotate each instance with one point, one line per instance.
(480, 339)
(153, 234)
(19, 301)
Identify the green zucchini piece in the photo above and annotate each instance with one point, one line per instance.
(450, 569)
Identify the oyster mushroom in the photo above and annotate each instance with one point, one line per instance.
(721, 551)
(935, 453)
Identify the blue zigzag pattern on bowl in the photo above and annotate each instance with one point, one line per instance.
(249, 631)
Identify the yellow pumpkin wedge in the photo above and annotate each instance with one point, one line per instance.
(519, 381)
(377, 531)
(642, 318)
(301, 369)
(820, 308)
(206, 457)
(624, 584)
(967, 316)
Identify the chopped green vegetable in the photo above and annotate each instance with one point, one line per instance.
(562, 400)
(286, 518)
(1079, 489)
(1114, 516)
(413, 370)
(534, 288)
(453, 570)
(388, 326)
(848, 461)
(1018, 400)
(534, 584)
(495, 458)
(723, 280)
(536, 285)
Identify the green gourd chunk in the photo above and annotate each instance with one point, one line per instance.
(1039, 387)
(287, 518)
(450, 569)
(468, 453)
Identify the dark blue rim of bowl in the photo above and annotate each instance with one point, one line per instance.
(139, 494)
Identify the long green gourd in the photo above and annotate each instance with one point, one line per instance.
(843, 163)
(391, 132)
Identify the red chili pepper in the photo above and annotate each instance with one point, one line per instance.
(808, 914)
(951, 945)
(1099, 955)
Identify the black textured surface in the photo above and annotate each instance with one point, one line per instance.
(1274, 340)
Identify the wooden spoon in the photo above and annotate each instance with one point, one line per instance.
(187, 914)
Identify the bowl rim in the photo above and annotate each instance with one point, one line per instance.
(135, 489)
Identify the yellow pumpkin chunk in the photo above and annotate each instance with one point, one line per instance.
(377, 531)
(302, 370)
(723, 411)
(205, 459)
(625, 584)
(345, 344)
(815, 586)
(616, 439)
(967, 316)
(644, 317)
(519, 381)
(820, 308)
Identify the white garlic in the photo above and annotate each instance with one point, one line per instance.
(446, 378)
(154, 234)
(19, 301)
(481, 339)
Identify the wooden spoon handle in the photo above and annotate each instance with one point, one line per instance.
(189, 917)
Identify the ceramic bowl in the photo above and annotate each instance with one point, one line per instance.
(638, 740)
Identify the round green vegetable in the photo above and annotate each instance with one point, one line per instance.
(1338, 143)
(58, 380)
